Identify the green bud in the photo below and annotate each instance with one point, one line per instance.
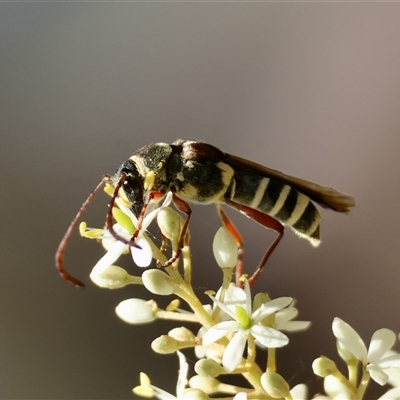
(323, 366)
(158, 282)
(225, 248)
(170, 223)
(165, 345)
(208, 367)
(113, 277)
(182, 334)
(136, 311)
(275, 385)
(207, 385)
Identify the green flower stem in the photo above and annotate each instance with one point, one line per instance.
(134, 280)
(353, 371)
(271, 360)
(175, 316)
(226, 280)
(187, 264)
(185, 292)
(251, 349)
(343, 380)
(252, 373)
(363, 385)
(157, 254)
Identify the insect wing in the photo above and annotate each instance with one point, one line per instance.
(327, 197)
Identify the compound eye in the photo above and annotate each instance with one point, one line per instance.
(134, 192)
(133, 187)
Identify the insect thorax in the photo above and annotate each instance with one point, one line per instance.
(181, 169)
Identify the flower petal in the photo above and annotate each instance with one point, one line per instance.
(292, 326)
(142, 256)
(271, 307)
(269, 337)
(234, 351)
(299, 392)
(285, 315)
(391, 361)
(220, 330)
(382, 340)
(228, 310)
(377, 374)
(248, 297)
(183, 371)
(109, 258)
(350, 339)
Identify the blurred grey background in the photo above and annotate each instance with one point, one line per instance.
(312, 89)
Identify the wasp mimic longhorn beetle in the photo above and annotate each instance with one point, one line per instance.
(198, 172)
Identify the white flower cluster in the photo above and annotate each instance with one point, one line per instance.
(231, 329)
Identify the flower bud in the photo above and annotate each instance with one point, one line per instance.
(225, 248)
(113, 277)
(323, 366)
(208, 385)
(170, 223)
(158, 282)
(164, 345)
(275, 385)
(182, 334)
(208, 367)
(136, 311)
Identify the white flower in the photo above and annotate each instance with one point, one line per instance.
(141, 253)
(245, 323)
(233, 296)
(374, 359)
(394, 380)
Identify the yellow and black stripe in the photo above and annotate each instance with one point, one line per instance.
(279, 200)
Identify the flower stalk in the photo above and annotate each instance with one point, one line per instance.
(233, 327)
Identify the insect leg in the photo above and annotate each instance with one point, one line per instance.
(163, 249)
(183, 207)
(228, 224)
(63, 244)
(266, 221)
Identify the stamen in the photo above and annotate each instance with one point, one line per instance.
(109, 189)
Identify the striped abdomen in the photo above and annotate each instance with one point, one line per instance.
(279, 200)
